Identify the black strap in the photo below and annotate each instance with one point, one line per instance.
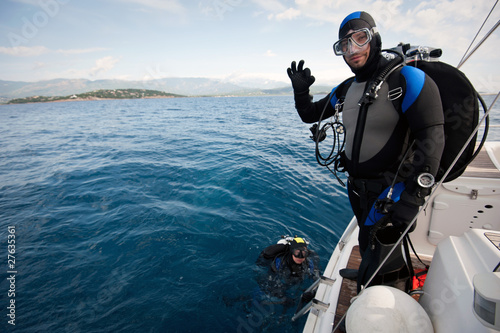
(409, 264)
(415, 252)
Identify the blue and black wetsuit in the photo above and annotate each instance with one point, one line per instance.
(378, 137)
(283, 279)
(287, 269)
(281, 263)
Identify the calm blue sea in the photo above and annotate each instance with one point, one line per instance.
(148, 215)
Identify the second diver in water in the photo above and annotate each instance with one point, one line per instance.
(291, 260)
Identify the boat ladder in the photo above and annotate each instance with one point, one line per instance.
(314, 304)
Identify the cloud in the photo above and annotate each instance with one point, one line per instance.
(274, 6)
(24, 51)
(81, 51)
(276, 10)
(103, 65)
(172, 6)
(28, 2)
(35, 51)
(319, 11)
(289, 14)
(39, 65)
(270, 53)
(450, 25)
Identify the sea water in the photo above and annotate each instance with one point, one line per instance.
(149, 215)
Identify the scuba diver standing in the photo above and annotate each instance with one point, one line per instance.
(392, 154)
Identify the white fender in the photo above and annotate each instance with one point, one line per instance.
(387, 309)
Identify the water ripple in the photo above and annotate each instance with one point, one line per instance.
(142, 215)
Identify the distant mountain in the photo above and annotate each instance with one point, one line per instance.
(180, 86)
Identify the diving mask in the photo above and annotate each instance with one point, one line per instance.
(300, 253)
(359, 37)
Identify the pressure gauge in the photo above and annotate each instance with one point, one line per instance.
(425, 180)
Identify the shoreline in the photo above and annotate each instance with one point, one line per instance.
(87, 99)
(148, 97)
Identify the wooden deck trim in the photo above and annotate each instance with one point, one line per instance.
(349, 287)
(482, 166)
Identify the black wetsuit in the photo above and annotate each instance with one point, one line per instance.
(377, 140)
(279, 259)
(283, 276)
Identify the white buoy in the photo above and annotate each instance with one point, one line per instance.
(389, 310)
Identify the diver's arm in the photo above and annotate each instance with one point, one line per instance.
(311, 112)
(268, 255)
(301, 81)
(426, 120)
(429, 146)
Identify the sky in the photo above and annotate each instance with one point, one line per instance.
(233, 40)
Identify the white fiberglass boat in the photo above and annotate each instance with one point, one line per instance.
(458, 234)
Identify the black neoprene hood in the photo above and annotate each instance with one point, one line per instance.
(355, 21)
(359, 20)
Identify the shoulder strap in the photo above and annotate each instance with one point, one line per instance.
(373, 86)
(397, 89)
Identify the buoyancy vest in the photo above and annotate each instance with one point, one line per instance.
(376, 132)
(282, 262)
(374, 135)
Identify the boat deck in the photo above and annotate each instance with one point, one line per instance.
(482, 166)
(349, 288)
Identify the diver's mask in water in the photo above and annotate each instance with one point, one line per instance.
(300, 253)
